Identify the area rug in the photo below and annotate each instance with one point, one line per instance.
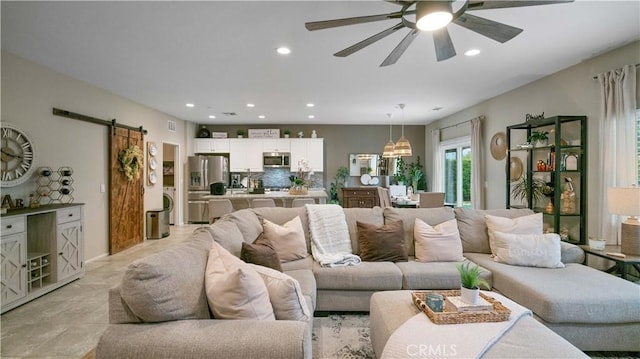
(342, 336)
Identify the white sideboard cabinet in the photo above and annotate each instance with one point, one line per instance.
(41, 250)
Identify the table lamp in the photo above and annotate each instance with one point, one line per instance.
(625, 201)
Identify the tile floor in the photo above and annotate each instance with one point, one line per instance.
(68, 322)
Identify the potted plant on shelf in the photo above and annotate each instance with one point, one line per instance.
(470, 283)
(539, 138)
(287, 133)
(520, 190)
(240, 133)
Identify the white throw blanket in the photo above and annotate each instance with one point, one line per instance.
(330, 243)
(418, 337)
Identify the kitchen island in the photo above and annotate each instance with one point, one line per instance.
(241, 199)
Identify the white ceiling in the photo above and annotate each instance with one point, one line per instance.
(221, 55)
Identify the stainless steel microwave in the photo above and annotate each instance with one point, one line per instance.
(275, 159)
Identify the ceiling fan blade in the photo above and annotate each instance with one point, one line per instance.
(368, 41)
(489, 28)
(486, 5)
(400, 49)
(406, 3)
(326, 24)
(443, 44)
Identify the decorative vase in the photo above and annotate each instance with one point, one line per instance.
(286, 135)
(542, 143)
(298, 190)
(470, 296)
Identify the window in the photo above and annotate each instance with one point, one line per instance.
(638, 143)
(456, 155)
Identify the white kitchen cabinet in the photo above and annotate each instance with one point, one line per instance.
(276, 145)
(13, 266)
(311, 149)
(211, 145)
(245, 155)
(42, 250)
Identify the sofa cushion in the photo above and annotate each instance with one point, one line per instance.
(168, 285)
(287, 239)
(430, 216)
(440, 243)
(261, 252)
(227, 233)
(531, 224)
(473, 229)
(234, 289)
(307, 283)
(532, 250)
(576, 294)
(368, 215)
(366, 276)
(304, 263)
(281, 215)
(285, 295)
(248, 223)
(433, 275)
(384, 243)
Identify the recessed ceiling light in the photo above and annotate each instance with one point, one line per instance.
(283, 50)
(212, 116)
(311, 116)
(251, 105)
(262, 116)
(310, 105)
(190, 105)
(472, 52)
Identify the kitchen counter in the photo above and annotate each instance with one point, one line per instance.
(282, 198)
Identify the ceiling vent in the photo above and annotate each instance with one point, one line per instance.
(230, 114)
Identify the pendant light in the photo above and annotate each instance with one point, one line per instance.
(403, 147)
(389, 148)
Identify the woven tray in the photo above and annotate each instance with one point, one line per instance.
(500, 313)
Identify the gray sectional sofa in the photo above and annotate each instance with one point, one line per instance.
(156, 313)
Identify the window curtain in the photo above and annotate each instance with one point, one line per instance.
(477, 192)
(438, 176)
(617, 141)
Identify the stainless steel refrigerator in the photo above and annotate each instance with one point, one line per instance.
(203, 171)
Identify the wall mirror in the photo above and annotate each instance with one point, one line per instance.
(366, 163)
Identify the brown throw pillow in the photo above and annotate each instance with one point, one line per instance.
(261, 252)
(378, 244)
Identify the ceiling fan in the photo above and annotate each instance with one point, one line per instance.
(432, 16)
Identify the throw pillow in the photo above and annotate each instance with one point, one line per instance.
(288, 239)
(285, 295)
(531, 224)
(378, 244)
(261, 252)
(167, 285)
(473, 228)
(437, 244)
(530, 250)
(234, 289)
(227, 233)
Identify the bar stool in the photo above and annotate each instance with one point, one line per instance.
(263, 202)
(300, 202)
(431, 199)
(218, 208)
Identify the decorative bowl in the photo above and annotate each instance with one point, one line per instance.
(597, 244)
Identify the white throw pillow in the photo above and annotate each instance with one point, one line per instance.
(285, 294)
(531, 224)
(437, 244)
(529, 250)
(288, 239)
(234, 289)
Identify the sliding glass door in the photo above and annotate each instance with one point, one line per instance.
(457, 172)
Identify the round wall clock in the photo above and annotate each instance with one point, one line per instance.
(18, 155)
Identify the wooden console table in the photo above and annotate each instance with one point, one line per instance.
(620, 265)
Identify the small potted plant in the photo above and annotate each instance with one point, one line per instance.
(287, 133)
(240, 133)
(470, 283)
(540, 138)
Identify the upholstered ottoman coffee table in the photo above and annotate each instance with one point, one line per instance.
(527, 338)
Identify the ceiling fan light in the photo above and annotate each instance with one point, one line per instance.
(433, 15)
(402, 148)
(389, 150)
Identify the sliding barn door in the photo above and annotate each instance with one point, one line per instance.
(126, 216)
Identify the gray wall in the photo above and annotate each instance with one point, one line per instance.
(572, 91)
(340, 141)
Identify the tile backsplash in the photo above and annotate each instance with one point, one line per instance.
(279, 178)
